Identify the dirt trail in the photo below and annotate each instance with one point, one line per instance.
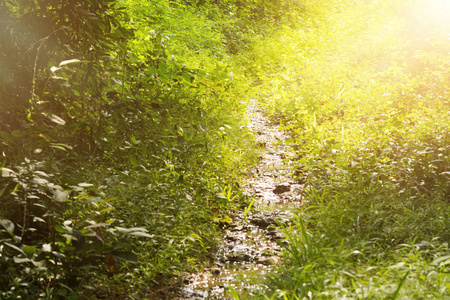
(250, 245)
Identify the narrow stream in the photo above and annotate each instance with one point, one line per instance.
(250, 246)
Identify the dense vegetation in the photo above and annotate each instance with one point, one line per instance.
(362, 86)
(123, 142)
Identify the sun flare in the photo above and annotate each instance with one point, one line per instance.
(435, 14)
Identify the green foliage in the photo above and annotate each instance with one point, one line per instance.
(362, 88)
(62, 237)
(123, 138)
(122, 144)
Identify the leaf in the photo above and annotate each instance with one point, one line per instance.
(14, 247)
(162, 67)
(62, 292)
(233, 293)
(98, 225)
(19, 260)
(40, 264)
(439, 261)
(186, 77)
(70, 61)
(111, 264)
(3, 189)
(93, 200)
(60, 146)
(402, 281)
(55, 118)
(221, 196)
(58, 255)
(143, 234)
(134, 140)
(61, 196)
(41, 173)
(40, 181)
(84, 184)
(107, 200)
(125, 255)
(8, 172)
(127, 230)
(54, 69)
(38, 219)
(61, 229)
(45, 137)
(164, 79)
(8, 225)
(47, 247)
(29, 250)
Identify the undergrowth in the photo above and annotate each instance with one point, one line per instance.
(362, 89)
(123, 141)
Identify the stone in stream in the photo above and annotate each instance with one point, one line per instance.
(276, 236)
(263, 222)
(239, 257)
(190, 293)
(282, 188)
(268, 261)
(215, 271)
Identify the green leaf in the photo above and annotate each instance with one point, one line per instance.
(233, 293)
(162, 67)
(134, 140)
(125, 255)
(164, 79)
(61, 229)
(3, 189)
(187, 77)
(29, 250)
(62, 292)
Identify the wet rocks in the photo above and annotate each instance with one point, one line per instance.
(192, 294)
(263, 222)
(275, 235)
(269, 260)
(239, 257)
(215, 271)
(282, 188)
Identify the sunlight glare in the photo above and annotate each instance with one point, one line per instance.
(434, 14)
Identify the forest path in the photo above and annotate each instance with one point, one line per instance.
(251, 244)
